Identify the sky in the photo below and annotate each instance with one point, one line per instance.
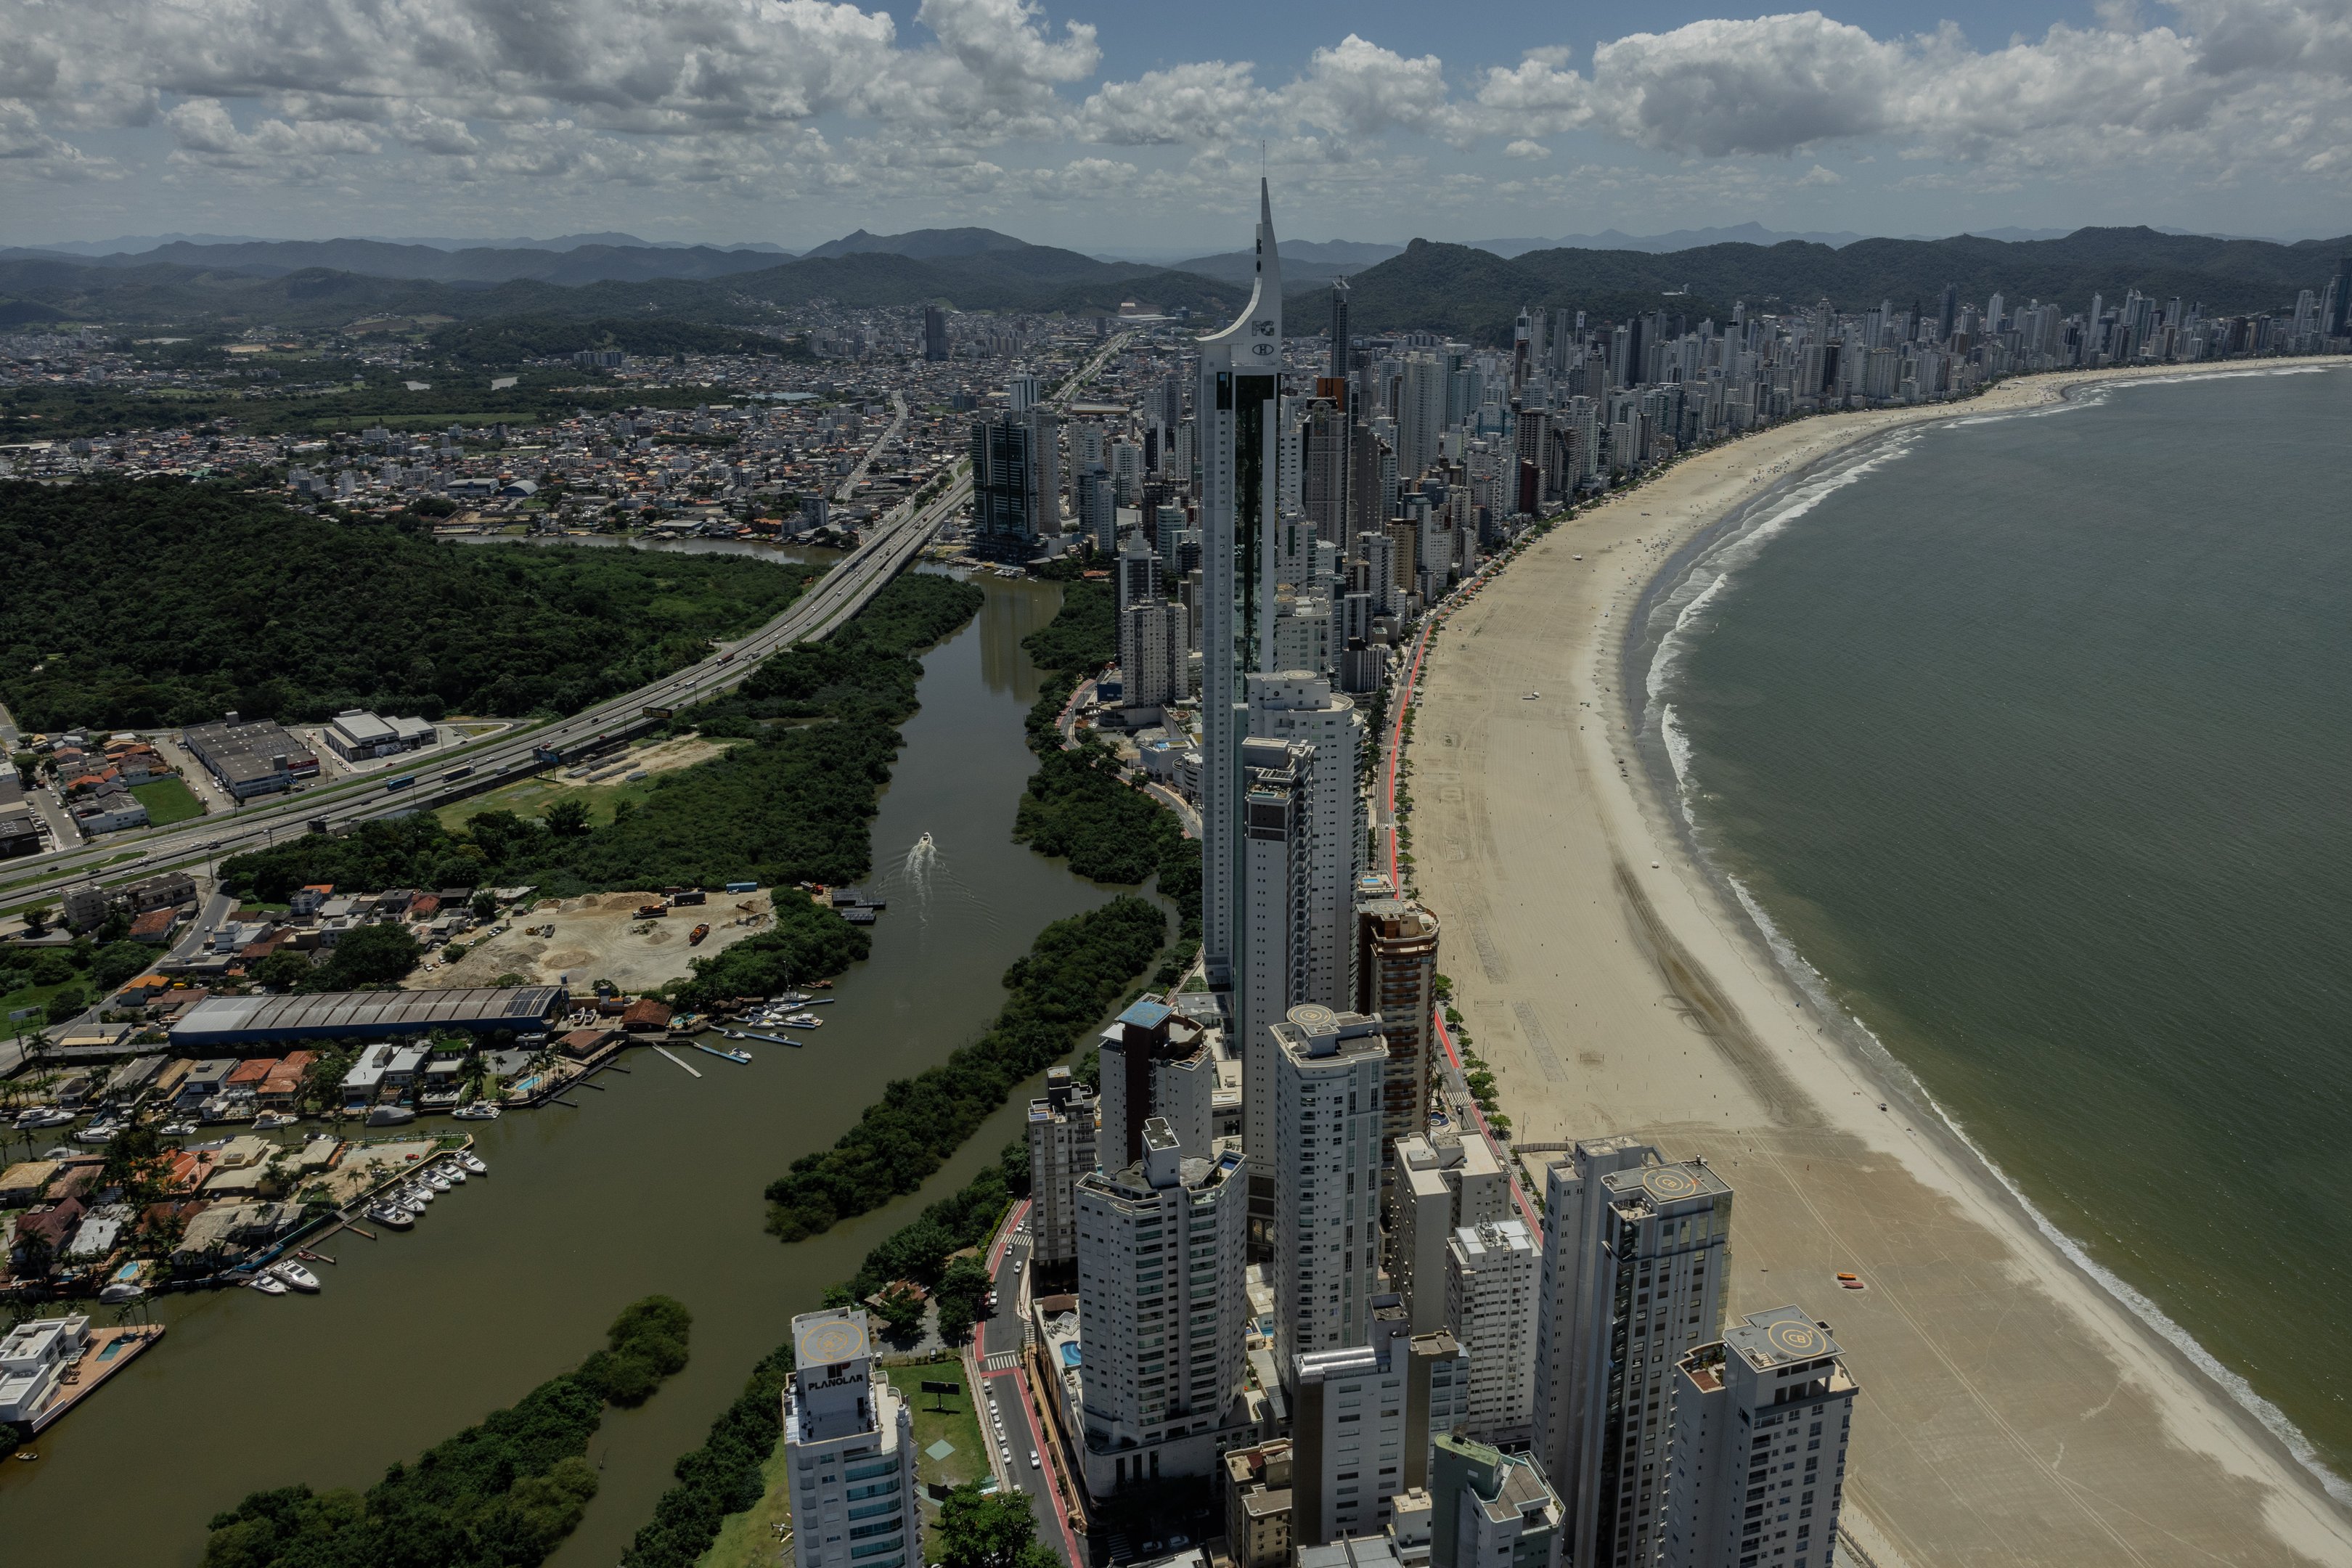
(1139, 128)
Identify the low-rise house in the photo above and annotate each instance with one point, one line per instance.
(100, 1232)
(248, 1075)
(205, 1080)
(166, 889)
(281, 1089)
(581, 1044)
(645, 1016)
(155, 926)
(306, 900)
(33, 1361)
(21, 1185)
(401, 1068)
(365, 1080)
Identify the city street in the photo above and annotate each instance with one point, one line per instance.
(997, 1343)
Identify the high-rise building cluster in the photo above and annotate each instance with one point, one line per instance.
(1270, 1250)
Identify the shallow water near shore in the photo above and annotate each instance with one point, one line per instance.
(652, 1185)
(2033, 736)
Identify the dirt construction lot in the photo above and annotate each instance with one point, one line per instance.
(598, 937)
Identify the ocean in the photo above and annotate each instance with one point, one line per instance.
(2027, 740)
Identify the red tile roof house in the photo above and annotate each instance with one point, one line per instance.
(645, 1017)
(249, 1073)
(155, 926)
(283, 1086)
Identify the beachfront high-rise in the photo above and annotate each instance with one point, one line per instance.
(1327, 1166)
(1491, 1286)
(1160, 1308)
(849, 1451)
(1061, 1129)
(1434, 1186)
(1236, 409)
(1632, 1280)
(1761, 1418)
(1396, 976)
(1362, 1421)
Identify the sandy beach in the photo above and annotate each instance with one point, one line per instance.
(2013, 1411)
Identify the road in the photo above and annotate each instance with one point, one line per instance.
(889, 545)
(840, 594)
(897, 427)
(997, 1346)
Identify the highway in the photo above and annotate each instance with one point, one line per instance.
(841, 592)
(898, 427)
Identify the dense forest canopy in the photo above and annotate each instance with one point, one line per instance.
(792, 806)
(140, 604)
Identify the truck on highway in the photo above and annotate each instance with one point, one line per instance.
(453, 774)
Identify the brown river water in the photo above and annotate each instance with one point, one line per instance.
(652, 1185)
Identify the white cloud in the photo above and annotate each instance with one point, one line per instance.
(981, 99)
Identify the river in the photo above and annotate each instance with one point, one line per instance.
(653, 1185)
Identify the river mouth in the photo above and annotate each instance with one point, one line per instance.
(653, 1185)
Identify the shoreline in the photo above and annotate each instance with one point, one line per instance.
(2190, 1460)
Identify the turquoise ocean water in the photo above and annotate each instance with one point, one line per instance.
(2030, 740)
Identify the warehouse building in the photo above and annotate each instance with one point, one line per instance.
(219, 1021)
(247, 759)
(356, 735)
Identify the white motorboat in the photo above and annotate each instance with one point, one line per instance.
(480, 1111)
(450, 1170)
(412, 1199)
(178, 1130)
(267, 1284)
(294, 1274)
(387, 1214)
(804, 1021)
(391, 1116)
(43, 1116)
(270, 1121)
(472, 1161)
(121, 1290)
(434, 1181)
(97, 1132)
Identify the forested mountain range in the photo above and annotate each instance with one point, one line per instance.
(1464, 289)
(1022, 278)
(1440, 287)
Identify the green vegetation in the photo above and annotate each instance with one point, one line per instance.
(722, 1477)
(950, 1416)
(731, 1473)
(791, 806)
(989, 1530)
(137, 605)
(499, 1495)
(1076, 968)
(168, 801)
(1076, 804)
(511, 340)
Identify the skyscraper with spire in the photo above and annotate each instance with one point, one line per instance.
(1237, 410)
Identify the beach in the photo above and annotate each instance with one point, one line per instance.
(2013, 1410)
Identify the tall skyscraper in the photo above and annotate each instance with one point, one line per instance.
(1327, 1142)
(1436, 1186)
(1339, 340)
(1160, 1310)
(1005, 504)
(1421, 413)
(1279, 780)
(849, 1451)
(1491, 1509)
(1155, 1065)
(1097, 508)
(935, 332)
(1396, 976)
(1362, 1421)
(1761, 1419)
(1237, 410)
(1491, 1282)
(1632, 1280)
(1323, 458)
(1061, 1149)
(1154, 645)
(1299, 705)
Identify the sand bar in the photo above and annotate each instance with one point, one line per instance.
(2013, 1412)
